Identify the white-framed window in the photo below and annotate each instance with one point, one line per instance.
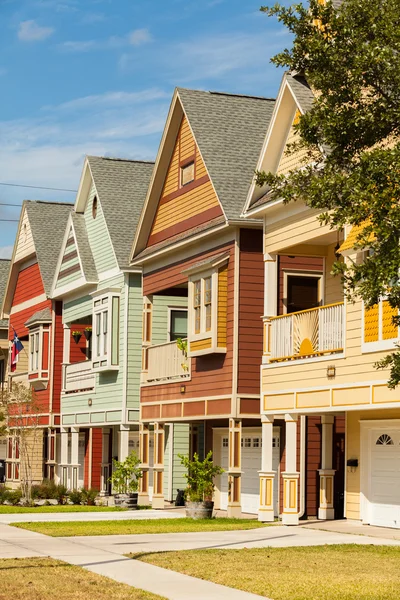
(105, 336)
(187, 173)
(177, 323)
(39, 352)
(378, 330)
(203, 302)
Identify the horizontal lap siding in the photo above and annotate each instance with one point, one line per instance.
(251, 306)
(77, 309)
(18, 319)
(29, 285)
(298, 229)
(99, 239)
(211, 375)
(333, 284)
(135, 310)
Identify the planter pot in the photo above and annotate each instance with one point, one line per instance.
(126, 500)
(77, 337)
(199, 510)
(87, 334)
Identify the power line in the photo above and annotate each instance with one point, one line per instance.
(9, 220)
(37, 187)
(7, 204)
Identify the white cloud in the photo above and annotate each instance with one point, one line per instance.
(110, 99)
(93, 18)
(139, 37)
(6, 251)
(77, 46)
(30, 31)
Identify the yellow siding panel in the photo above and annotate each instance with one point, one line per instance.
(172, 181)
(389, 330)
(350, 396)
(371, 324)
(292, 160)
(381, 393)
(333, 285)
(222, 305)
(200, 166)
(200, 345)
(313, 399)
(278, 401)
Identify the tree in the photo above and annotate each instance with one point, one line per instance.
(349, 55)
(19, 416)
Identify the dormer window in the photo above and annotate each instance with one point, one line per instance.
(187, 173)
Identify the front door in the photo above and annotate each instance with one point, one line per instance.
(302, 292)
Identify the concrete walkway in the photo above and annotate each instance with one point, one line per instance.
(90, 516)
(354, 528)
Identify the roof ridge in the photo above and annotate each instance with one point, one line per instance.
(230, 94)
(130, 160)
(50, 202)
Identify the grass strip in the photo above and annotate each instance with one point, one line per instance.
(72, 508)
(137, 526)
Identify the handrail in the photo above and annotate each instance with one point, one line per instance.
(300, 312)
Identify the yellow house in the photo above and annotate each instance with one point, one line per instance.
(320, 350)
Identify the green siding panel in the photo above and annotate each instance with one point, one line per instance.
(135, 311)
(77, 309)
(159, 334)
(99, 239)
(181, 446)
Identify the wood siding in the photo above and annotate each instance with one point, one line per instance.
(18, 320)
(290, 160)
(97, 456)
(29, 284)
(184, 207)
(251, 307)
(77, 351)
(70, 269)
(99, 239)
(25, 245)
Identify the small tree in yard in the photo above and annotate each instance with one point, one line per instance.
(349, 55)
(19, 414)
(126, 474)
(200, 476)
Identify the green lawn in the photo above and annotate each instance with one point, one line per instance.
(345, 572)
(72, 508)
(58, 529)
(48, 579)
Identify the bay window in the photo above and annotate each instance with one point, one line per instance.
(105, 351)
(39, 352)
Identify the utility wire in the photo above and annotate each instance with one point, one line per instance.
(7, 204)
(37, 187)
(9, 220)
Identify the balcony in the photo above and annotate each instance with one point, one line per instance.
(165, 363)
(305, 334)
(78, 377)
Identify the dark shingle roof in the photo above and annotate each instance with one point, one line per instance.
(4, 269)
(122, 187)
(301, 91)
(84, 250)
(229, 131)
(48, 221)
(41, 315)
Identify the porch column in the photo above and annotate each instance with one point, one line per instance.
(74, 457)
(144, 449)
(234, 471)
(267, 475)
(158, 473)
(270, 300)
(326, 473)
(64, 457)
(290, 476)
(123, 449)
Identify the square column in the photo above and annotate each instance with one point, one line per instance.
(64, 457)
(158, 473)
(290, 514)
(234, 470)
(326, 473)
(123, 447)
(270, 301)
(74, 466)
(144, 450)
(267, 475)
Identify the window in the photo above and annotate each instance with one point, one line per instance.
(187, 173)
(94, 207)
(202, 304)
(207, 302)
(105, 349)
(177, 324)
(39, 350)
(379, 330)
(225, 442)
(384, 440)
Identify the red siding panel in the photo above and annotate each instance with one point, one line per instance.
(58, 356)
(97, 456)
(29, 284)
(77, 351)
(18, 319)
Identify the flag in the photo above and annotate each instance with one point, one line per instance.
(15, 350)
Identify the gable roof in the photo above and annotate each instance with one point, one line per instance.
(4, 270)
(47, 221)
(84, 250)
(122, 187)
(41, 316)
(229, 132)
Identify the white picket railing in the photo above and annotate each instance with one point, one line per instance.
(306, 333)
(166, 362)
(78, 377)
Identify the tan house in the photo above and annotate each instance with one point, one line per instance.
(4, 268)
(320, 350)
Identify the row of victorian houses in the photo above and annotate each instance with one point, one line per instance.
(189, 248)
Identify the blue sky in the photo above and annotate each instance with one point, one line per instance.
(96, 77)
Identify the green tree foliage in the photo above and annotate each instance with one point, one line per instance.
(126, 474)
(200, 476)
(351, 173)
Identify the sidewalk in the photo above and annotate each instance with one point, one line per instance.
(91, 516)
(354, 528)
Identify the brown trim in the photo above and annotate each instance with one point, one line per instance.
(186, 188)
(70, 241)
(187, 161)
(67, 257)
(203, 217)
(69, 271)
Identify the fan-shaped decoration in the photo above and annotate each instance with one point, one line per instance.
(384, 440)
(305, 330)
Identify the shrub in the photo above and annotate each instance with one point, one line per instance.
(75, 496)
(89, 496)
(126, 474)
(200, 476)
(49, 490)
(13, 496)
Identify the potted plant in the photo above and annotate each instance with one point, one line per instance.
(87, 332)
(200, 479)
(76, 335)
(125, 480)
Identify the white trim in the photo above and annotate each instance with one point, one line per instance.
(235, 366)
(51, 357)
(74, 288)
(126, 323)
(67, 231)
(109, 274)
(312, 274)
(28, 304)
(175, 308)
(103, 303)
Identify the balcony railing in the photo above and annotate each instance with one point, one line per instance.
(304, 334)
(78, 377)
(165, 362)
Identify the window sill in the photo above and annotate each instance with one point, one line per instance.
(369, 347)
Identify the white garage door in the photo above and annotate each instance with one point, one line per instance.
(251, 464)
(134, 445)
(383, 490)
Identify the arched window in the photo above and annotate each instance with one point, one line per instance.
(384, 440)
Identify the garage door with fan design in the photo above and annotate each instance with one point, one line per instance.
(383, 492)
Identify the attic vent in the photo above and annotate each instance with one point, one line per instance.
(94, 207)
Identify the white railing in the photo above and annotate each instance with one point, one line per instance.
(78, 377)
(165, 362)
(314, 332)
